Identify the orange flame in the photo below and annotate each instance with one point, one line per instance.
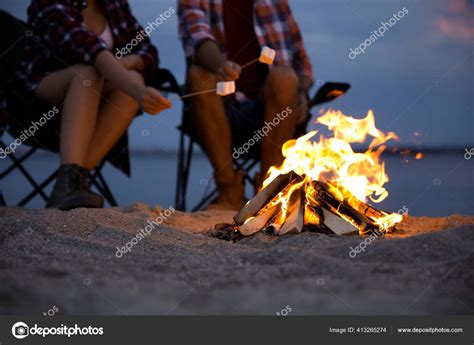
(333, 160)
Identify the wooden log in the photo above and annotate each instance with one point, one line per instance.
(271, 212)
(336, 201)
(275, 223)
(337, 224)
(255, 204)
(295, 216)
(258, 222)
(362, 212)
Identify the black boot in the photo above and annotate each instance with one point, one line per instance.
(72, 189)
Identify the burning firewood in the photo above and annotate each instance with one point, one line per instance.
(294, 221)
(257, 223)
(341, 201)
(323, 186)
(317, 205)
(337, 224)
(274, 225)
(254, 205)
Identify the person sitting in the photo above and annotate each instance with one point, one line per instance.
(68, 62)
(218, 37)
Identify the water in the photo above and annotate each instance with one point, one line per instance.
(440, 184)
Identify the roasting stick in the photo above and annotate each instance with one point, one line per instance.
(223, 88)
(267, 55)
(249, 63)
(197, 93)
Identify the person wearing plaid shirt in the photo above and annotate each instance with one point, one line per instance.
(218, 36)
(69, 63)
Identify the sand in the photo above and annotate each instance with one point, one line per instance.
(68, 260)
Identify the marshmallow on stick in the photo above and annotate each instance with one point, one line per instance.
(225, 88)
(267, 55)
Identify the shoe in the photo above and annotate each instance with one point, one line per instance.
(72, 189)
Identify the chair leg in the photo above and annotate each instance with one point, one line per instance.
(12, 167)
(184, 167)
(205, 200)
(186, 172)
(180, 178)
(108, 193)
(99, 182)
(42, 186)
(37, 189)
(2, 200)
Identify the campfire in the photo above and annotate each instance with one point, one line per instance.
(322, 186)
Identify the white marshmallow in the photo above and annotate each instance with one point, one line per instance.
(267, 55)
(225, 88)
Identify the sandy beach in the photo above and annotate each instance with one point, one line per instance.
(69, 260)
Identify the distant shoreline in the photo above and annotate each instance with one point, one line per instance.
(198, 152)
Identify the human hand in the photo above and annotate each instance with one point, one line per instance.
(229, 71)
(151, 101)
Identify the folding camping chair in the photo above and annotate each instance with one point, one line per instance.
(188, 138)
(14, 103)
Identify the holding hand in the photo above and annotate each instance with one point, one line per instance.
(151, 101)
(229, 71)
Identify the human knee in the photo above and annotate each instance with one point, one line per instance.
(281, 81)
(88, 75)
(199, 78)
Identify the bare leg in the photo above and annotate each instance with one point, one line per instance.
(77, 90)
(211, 121)
(79, 108)
(210, 118)
(87, 142)
(280, 91)
(87, 132)
(116, 113)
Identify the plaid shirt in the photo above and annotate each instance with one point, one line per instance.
(274, 24)
(56, 37)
